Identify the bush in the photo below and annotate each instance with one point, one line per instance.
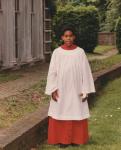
(85, 22)
(118, 35)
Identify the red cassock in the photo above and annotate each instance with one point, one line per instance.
(67, 131)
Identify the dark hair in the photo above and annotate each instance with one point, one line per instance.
(67, 28)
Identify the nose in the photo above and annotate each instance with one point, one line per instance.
(68, 38)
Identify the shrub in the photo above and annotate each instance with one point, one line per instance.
(85, 22)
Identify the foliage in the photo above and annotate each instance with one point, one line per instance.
(78, 2)
(118, 35)
(108, 10)
(85, 22)
(102, 9)
(85, 2)
(112, 14)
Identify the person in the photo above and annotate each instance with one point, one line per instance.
(69, 81)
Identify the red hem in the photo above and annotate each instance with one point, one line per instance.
(67, 131)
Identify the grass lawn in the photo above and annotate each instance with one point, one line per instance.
(97, 65)
(17, 106)
(105, 121)
(8, 76)
(101, 50)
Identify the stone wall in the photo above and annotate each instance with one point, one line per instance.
(106, 38)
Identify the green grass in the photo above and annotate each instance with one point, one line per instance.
(105, 121)
(103, 48)
(97, 65)
(100, 50)
(17, 106)
(12, 109)
(9, 76)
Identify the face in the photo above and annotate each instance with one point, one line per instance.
(68, 37)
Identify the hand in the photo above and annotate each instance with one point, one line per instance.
(84, 99)
(84, 96)
(55, 95)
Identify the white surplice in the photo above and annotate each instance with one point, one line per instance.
(70, 73)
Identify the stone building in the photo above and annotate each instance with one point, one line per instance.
(25, 32)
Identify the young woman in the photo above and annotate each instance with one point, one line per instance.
(69, 81)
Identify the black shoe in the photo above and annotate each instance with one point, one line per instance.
(63, 145)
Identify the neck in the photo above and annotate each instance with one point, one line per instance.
(68, 47)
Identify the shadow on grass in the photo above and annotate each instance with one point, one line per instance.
(93, 97)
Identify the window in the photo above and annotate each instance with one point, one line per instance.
(0, 5)
(32, 6)
(32, 25)
(46, 3)
(47, 27)
(16, 5)
(16, 26)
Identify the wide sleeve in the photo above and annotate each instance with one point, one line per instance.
(51, 84)
(87, 78)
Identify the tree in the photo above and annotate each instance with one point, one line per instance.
(102, 9)
(84, 2)
(84, 20)
(62, 2)
(112, 14)
(78, 2)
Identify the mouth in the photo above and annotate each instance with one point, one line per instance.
(68, 41)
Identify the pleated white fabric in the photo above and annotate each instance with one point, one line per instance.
(70, 73)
